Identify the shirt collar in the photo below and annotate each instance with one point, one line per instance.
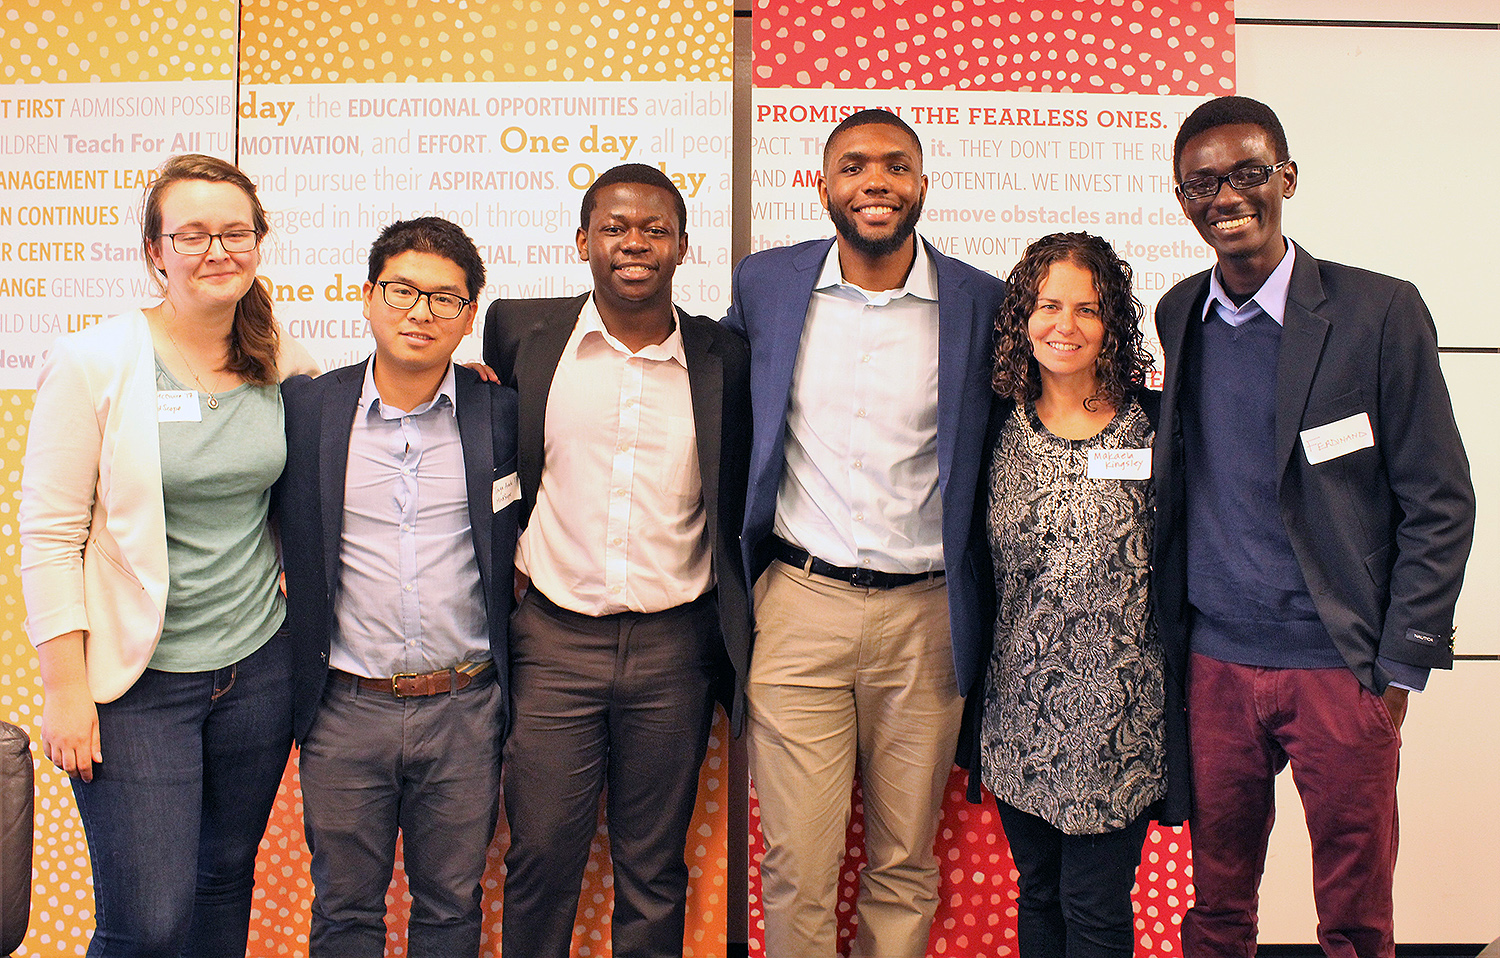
(921, 282)
(590, 323)
(1269, 299)
(369, 395)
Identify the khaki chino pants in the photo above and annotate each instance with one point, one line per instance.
(843, 678)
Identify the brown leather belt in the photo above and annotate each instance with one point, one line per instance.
(407, 685)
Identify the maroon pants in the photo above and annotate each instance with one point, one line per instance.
(1245, 725)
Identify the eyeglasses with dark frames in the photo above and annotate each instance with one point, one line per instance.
(233, 241)
(441, 305)
(1244, 178)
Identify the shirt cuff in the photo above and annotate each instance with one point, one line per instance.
(1413, 678)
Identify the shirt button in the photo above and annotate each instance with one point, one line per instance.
(616, 541)
(860, 414)
(405, 527)
(859, 463)
(859, 517)
(865, 358)
(406, 587)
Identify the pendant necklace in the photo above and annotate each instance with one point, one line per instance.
(213, 402)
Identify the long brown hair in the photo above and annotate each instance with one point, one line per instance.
(1123, 361)
(252, 338)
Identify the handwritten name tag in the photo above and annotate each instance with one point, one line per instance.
(1119, 463)
(1351, 434)
(504, 492)
(177, 405)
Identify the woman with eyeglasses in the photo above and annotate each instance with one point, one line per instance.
(1073, 732)
(150, 575)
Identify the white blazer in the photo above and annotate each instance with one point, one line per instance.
(92, 522)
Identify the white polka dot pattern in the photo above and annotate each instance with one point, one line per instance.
(976, 916)
(1077, 46)
(390, 41)
(82, 41)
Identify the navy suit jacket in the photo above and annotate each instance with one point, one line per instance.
(772, 290)
(309, 504)
(523, 342)
(1381, 534)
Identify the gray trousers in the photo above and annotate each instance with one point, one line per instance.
(620, 701)
(429, 767)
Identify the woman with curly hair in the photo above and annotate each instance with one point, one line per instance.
(1072, 737)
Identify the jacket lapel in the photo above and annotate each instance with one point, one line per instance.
(537, 356)
(706, 386)
(955, 340)
(472, 407)
(1303, 333)
(333, 462)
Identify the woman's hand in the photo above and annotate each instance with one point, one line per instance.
(70, 721)
(70, 732)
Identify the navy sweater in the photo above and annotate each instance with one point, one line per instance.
(1250, 601)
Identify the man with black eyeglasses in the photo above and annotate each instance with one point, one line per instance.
(1315, 513)
(398, 515)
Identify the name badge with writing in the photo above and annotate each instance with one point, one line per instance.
(1119, 463)
(504, 492)
(177, 405)
(1351, 434)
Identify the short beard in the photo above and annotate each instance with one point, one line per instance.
(875, 248)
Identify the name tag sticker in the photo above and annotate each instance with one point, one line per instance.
(504, 492)
(1119, 464)
(1322, 443)
(177, 405)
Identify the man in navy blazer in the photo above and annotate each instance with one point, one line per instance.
(870, 360)
(398, 514)
(1315, 513)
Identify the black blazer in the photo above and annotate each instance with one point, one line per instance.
(1381, 534)
(309, 505)
(523, 342)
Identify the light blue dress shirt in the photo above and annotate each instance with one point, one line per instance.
(410, 598)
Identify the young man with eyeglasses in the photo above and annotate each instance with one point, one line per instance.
(1315, 513)
(398, 528)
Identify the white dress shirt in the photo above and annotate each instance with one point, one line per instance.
(861, 482)
(619, 523)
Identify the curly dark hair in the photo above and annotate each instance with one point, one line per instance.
(1123, 361)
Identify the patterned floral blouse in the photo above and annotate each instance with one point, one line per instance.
(1073, 724)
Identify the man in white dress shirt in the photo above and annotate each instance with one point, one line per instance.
(632, 461)
(870, 363)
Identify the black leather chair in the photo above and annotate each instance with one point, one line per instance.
(16, 781)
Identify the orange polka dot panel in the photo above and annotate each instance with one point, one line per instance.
(976, 914)
(394, 41)
(1066, 46)
(90, 41)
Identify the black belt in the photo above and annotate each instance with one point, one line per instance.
(862, 578)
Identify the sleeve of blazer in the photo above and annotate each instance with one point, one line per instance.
(64, 442)
(1429, 476)
(735, 318)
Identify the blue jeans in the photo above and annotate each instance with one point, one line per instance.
(176, 811)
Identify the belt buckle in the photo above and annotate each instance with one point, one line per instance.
(396, 683)
(863, 578)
